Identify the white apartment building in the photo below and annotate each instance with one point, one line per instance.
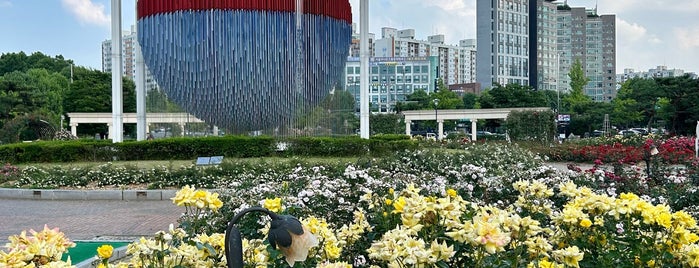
(128, 53)
(455, 63)
(657, 72)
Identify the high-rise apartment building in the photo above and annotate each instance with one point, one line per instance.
(590, 38)
(502, 33)
(454, 62)
(535, 42)
(546, 36)
(128, 53)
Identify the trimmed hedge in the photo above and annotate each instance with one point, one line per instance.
(191, 148)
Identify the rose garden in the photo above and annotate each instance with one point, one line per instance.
(397, 203)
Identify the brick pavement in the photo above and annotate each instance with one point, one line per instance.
(88, 219)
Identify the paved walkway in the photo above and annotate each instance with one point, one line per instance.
(88, 219)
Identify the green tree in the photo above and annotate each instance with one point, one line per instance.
(470, 100)
(534, 126)
(512, 96)
(91, 92)
(158, 102)
(646, 94)
(35, 91)
(11, 62)
(386, 124)
(418, 100)
(678, 106)
(578, 80)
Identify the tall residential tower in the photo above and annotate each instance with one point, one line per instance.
(535, 42)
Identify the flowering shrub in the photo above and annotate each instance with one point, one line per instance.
(674, 150)
(483, 206)
(39, 249)
(406, 228)
(8, 172)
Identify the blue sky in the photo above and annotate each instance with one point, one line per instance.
(649, 32)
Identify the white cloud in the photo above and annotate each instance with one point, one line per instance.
(87, 12)
(5, 3)
(447, 4)
(687, 38)
(629, 32)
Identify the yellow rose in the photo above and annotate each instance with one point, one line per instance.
(105, 251)
(586, 223)
(274, 205)
(451, 192)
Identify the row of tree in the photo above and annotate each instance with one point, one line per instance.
(668, 103)
(42, 88)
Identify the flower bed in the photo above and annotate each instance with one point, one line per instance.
(485, 206)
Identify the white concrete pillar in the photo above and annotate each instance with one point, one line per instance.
(440, 123)
(474, 126)
(116, 131)
(181, 128)
(216, 131)
(364, 69)
(110, 131)
(407, 127)
(74, 129)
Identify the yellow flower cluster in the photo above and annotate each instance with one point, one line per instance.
(334, 265)
(348, 234)
(274, 204)
(403, 244)
(190, 197)
(44, 248)
(674, 233)
(255, 252)
(533, 196)
(146, 252)
(331, 247)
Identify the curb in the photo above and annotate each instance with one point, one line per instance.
(123, 195)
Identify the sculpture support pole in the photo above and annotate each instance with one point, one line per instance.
(364, 69)
(140, 89)
(117, 132)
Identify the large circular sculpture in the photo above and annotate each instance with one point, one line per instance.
(245, 64)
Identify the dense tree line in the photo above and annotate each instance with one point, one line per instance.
(40, 88)
(668, 103)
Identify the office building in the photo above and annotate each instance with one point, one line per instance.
(392, 79)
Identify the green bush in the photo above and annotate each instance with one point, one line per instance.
(531, 126)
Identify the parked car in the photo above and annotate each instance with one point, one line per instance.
(629, 133)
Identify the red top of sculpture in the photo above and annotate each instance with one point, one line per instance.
(339, 9)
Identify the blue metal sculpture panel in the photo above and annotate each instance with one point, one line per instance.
(237, 69)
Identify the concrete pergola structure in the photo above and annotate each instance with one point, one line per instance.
(472, 114)
(106, 118)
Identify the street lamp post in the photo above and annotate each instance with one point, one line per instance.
(436, 121)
